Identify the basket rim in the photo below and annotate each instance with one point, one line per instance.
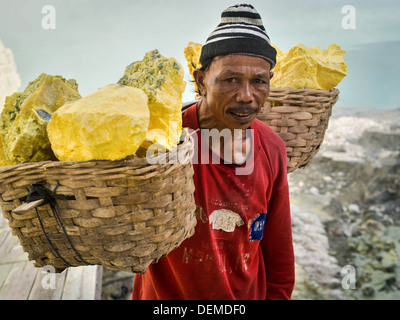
(306, 90)
(303, 97)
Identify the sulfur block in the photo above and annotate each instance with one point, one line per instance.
(109, 124)
(192, 55)
(3, 159)
(300, 67)
(25, 116)
(309, 67)
(161, 79)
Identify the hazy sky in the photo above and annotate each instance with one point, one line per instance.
(94, 40)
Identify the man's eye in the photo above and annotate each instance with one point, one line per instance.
(259, 81)
(231, 80)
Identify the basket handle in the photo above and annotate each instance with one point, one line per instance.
(39, 195)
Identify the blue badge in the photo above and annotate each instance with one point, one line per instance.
(257, 227)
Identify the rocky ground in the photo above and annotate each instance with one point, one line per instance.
(345, 212)
(117, 285)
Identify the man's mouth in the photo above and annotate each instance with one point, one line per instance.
(242, 116)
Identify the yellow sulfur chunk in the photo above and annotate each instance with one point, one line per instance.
(25, 117)
(161, 79)
(278, 51)
(192, 54)
(109, 124)
(3, 160)
(309, 67)
(298, 68)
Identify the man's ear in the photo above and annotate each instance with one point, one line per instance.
(199, 79)
(271, 75)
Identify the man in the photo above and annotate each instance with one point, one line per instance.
(242, 246)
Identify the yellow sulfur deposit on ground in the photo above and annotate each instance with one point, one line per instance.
(25, 117)
(309, 67)
(161, 79)
(298, 68)
(109, 124)
(192, 54)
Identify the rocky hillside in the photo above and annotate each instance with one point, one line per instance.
(346, 211)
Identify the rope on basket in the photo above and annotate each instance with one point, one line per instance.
(39, 192)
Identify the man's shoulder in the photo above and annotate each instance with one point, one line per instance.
(268, 137)
(273, 146)
(189, 115)
(187, 105)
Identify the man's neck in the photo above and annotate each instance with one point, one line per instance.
(206, 118)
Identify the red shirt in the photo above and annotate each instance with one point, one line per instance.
(242, 246)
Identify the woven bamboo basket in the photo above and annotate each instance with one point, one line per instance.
(123, 215)
(300, 117)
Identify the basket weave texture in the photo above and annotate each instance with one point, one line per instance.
(123, 215)
(300, 117)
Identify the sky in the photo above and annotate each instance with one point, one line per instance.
(94, 40)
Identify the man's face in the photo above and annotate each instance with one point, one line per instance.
(235, 88)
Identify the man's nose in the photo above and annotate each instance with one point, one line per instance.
(244, 94)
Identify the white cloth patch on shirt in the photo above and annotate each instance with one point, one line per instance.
(225, 219)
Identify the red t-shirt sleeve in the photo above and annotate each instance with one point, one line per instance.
(277, 244)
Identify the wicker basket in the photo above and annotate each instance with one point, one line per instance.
(123, 215)
(300, 117)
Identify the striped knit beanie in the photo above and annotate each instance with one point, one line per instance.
(241, 31)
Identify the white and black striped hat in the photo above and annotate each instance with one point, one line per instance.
(241, 31)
